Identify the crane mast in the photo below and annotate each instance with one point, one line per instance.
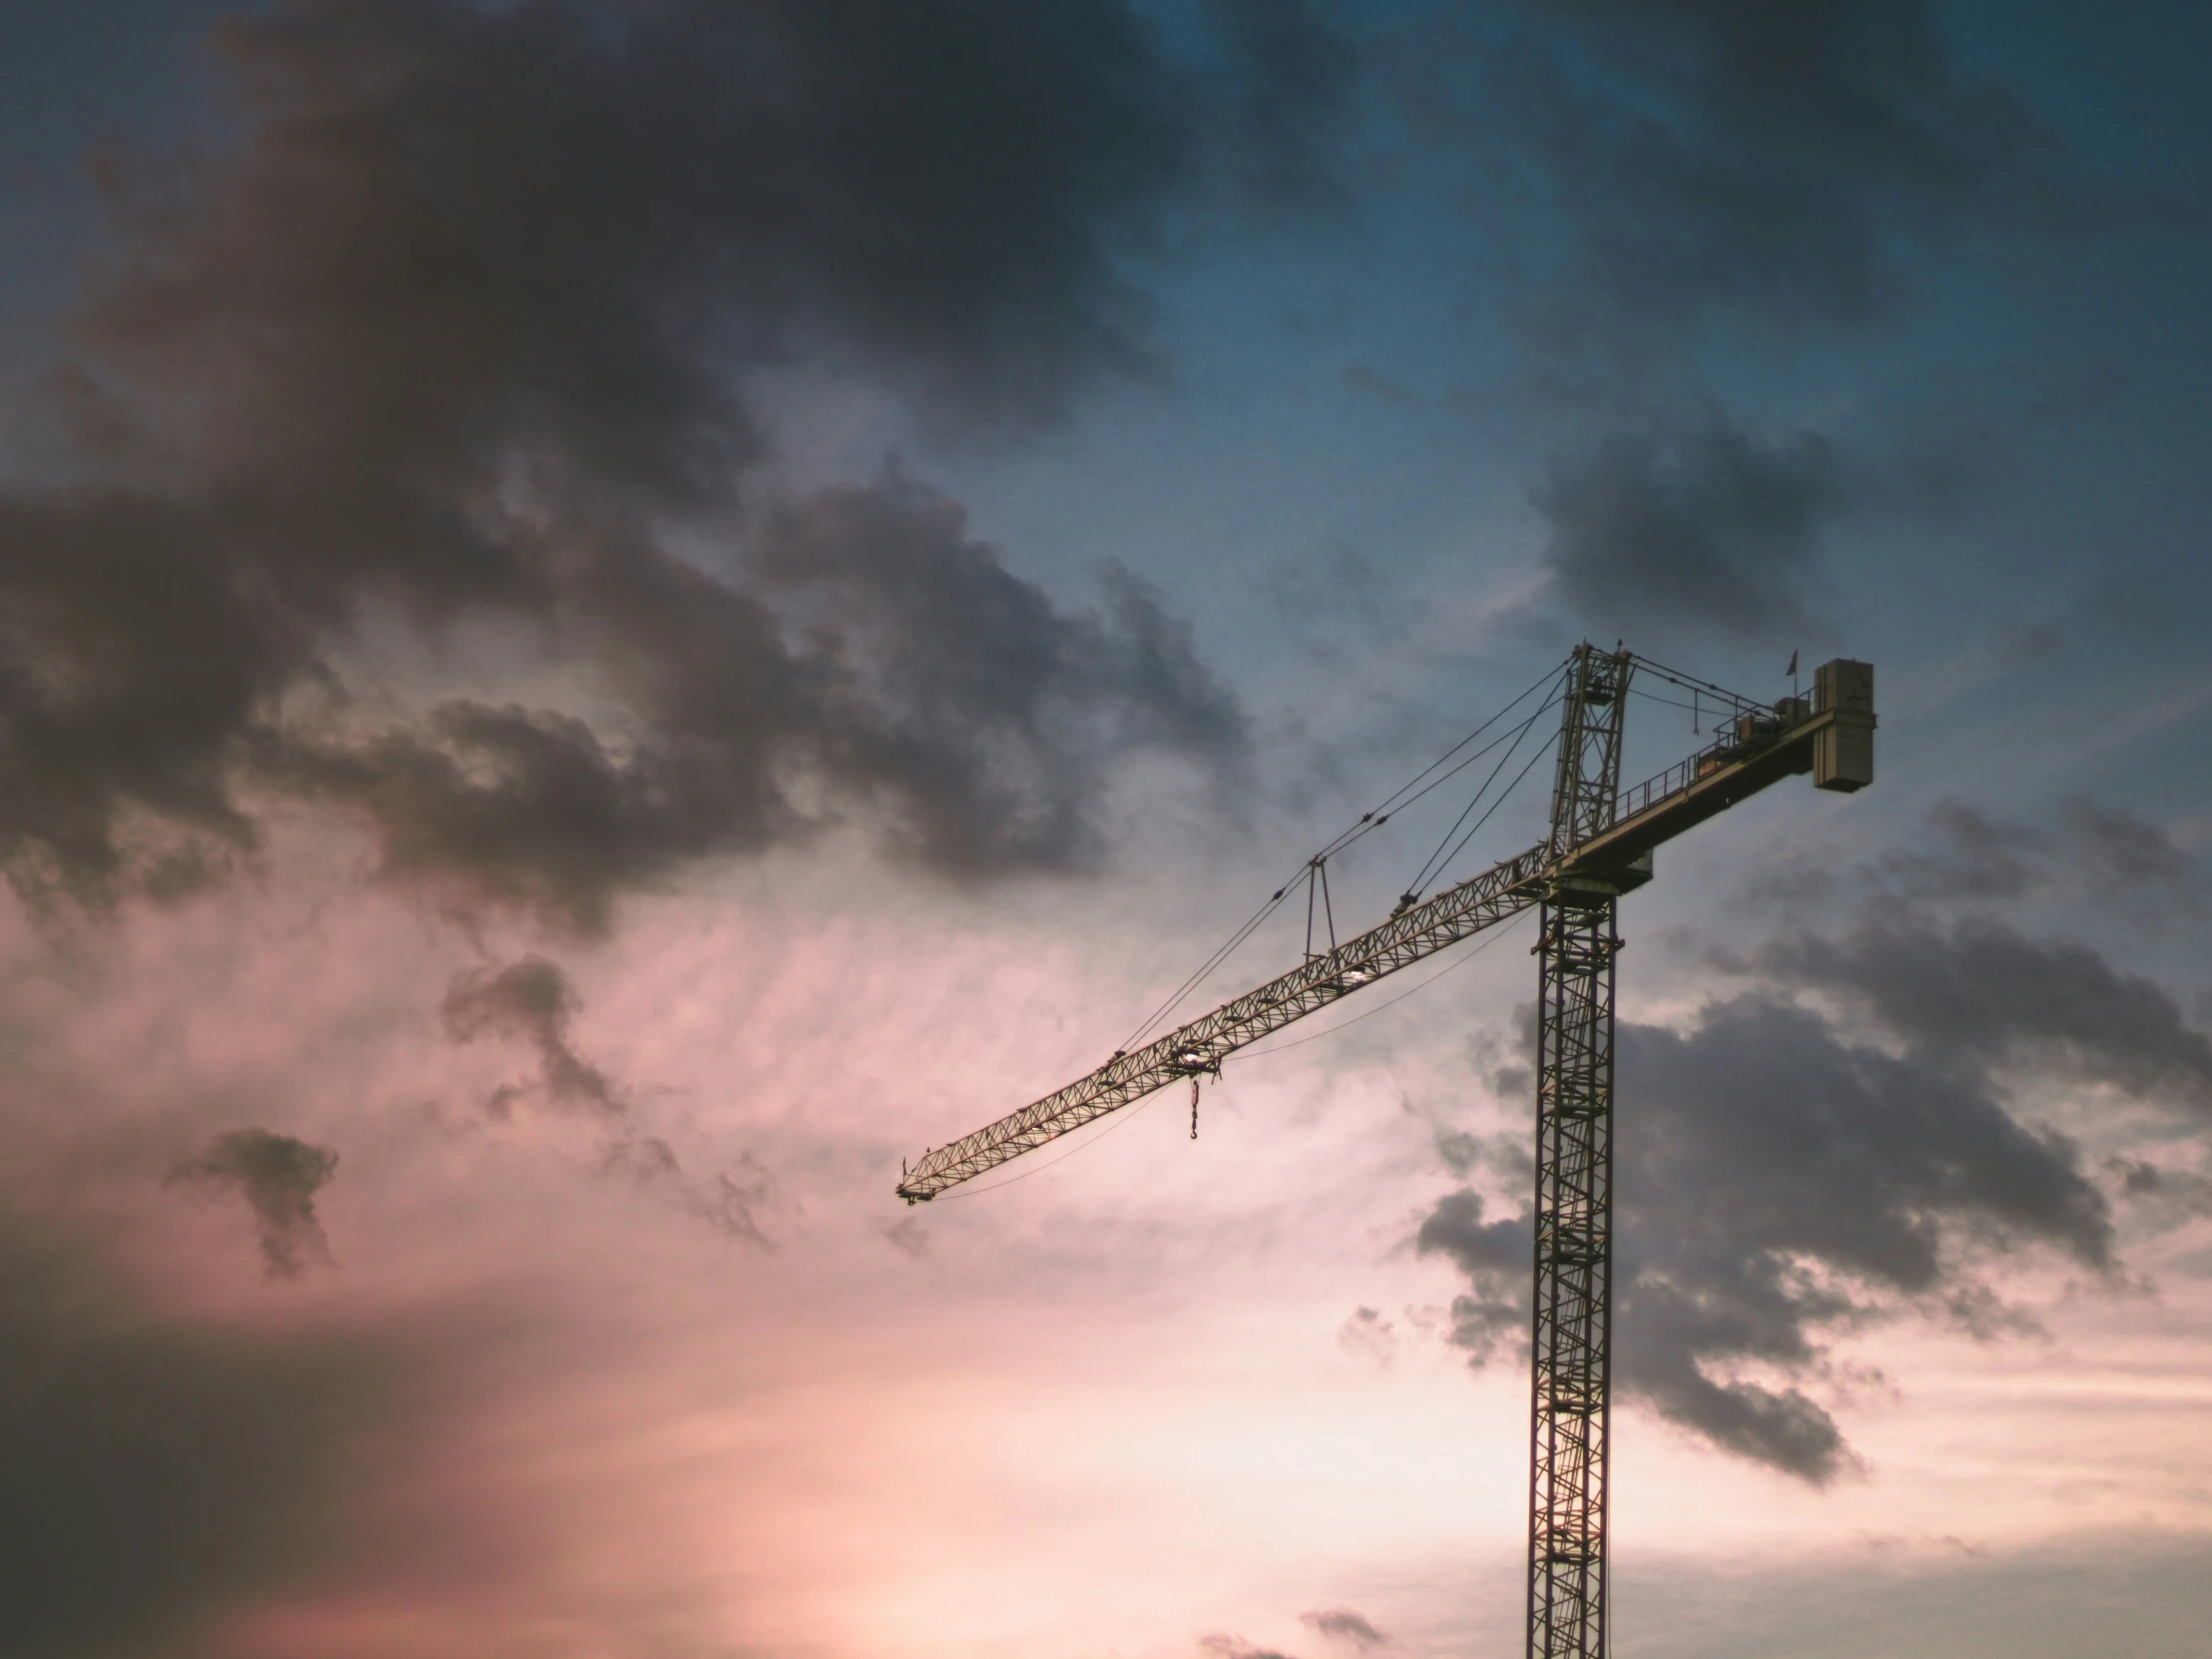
(1571, 1341)
(1599, 846)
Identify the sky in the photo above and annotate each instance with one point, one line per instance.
(616, 616)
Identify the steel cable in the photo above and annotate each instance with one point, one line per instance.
(1405, 795)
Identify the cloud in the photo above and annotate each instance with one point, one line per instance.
(631, 200)
(1368, 1335)
(1664, 164)
(1786, 1179)
(1976, 857)
(472, 325)
(988, 714)
(906, 1236)
(132, 661)
(2091, 851)
(1343, 1626)
(2162, 1194)
(278, 1177)
(1710, 528)
(1290, 78)
(1842, 1143)
(1236, 1647)
(1647, 180)
(1459, 1150)
(1780, 1182)
(2115, 848)
(532, 1001)
(1977, 993)
(1495, 1256)
(155, 1473)
(906, 678)
(731, 1203)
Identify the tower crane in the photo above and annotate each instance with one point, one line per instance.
(1600, 846)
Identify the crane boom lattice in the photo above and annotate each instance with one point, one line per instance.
(1499, 893)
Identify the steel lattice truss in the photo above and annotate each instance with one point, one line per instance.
(1570, 1350)
(1586, 790)
(1570, 1359)
(1500, 893)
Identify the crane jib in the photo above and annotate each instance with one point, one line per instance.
(1747, 759)
(1202, 1046)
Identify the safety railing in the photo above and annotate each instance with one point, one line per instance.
(1746, 735)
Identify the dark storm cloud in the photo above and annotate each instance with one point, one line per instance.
(1494, 1256)
(1797, 144)
(1781, 1179)
(906, 1236)
(1710, 528)
(960, 693)
(133, 656)
(582, 215)
(2163, 1195)
(1976, 857)
(1672, 161)
(1977, 993)
(278, 1177)
(2113, 850)
(532, 1001)
(1459, 1150)
(902, 672)
(731, 1203)
(1786, 1171)
(2093, 851)
(1776, 1181)
(1367, 1334)
(1236, 1647)
(1343, 1626)
(1648, 177)
(1290, 76)
(472, 317)
(154, 1475)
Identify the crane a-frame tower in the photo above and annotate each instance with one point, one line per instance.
(1600, 846)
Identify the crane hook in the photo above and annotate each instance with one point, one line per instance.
(1194, 1108)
